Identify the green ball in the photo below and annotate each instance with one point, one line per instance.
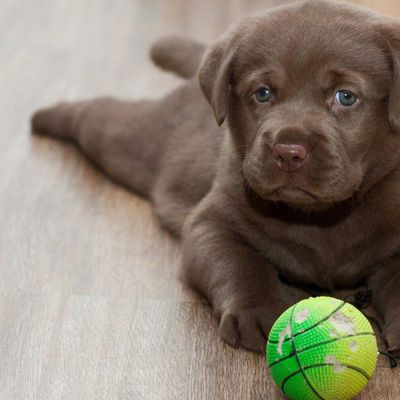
(322, 348)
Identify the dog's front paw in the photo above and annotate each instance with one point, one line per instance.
(392, 337)
(248, 328)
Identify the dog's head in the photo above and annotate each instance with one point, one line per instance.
(311, 93)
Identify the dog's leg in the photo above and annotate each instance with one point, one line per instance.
(242, 286)
(178, 55)
(127, 139)
(122, 138)
(385, 284)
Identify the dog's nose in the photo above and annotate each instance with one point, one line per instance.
(289, 157)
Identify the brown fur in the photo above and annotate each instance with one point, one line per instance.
(245, 223)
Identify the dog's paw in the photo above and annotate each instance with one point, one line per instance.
(248, 328)
(392, 337)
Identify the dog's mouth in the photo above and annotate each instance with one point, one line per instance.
(288, 191)
(291, 192)
(293, 208)
(297, 196)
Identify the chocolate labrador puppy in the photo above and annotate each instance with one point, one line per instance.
(301, 187)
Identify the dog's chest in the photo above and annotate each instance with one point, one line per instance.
(340, 256)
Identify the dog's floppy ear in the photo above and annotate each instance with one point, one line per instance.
(215, 76)
(392, 39)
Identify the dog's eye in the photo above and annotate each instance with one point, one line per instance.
(263, 94)
(345, 98)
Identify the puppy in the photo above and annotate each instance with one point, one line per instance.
(301, 188)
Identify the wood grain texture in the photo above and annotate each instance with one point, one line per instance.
(90, 302)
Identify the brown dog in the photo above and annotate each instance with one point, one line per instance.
(303, 183)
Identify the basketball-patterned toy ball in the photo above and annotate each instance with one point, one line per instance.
(322, 349)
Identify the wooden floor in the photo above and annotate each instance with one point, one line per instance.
(90, 304)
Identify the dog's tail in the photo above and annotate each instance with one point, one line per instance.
(178, 55)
